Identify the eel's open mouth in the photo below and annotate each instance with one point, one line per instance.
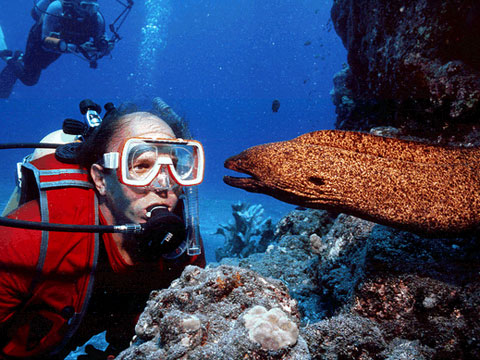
(249, 183)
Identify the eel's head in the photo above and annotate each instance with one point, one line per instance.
(248, 163)
(274, 169)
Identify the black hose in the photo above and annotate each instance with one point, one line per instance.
(29, 146)
(33, 225)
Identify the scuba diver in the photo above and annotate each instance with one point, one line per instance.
(132, 173)
(62, 26)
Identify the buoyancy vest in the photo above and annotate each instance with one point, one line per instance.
(65, 269)
(72, 29)
(78, 31)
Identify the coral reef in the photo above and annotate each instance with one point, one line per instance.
(376, 292)
(207, 314)
(248, 233)
(412, 64)
(291, 260)
(412, 288)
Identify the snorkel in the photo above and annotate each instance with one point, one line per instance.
(191, 217)
(190, 192)
(164, 233)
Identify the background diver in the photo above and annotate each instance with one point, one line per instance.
(62, 26)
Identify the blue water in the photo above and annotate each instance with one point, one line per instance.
(217, 63)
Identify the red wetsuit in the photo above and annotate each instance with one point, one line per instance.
(57, 291)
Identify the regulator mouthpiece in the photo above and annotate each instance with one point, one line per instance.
(163, 233)
(156, 208)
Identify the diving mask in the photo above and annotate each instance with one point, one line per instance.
(146, 162)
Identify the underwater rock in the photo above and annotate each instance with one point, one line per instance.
(345, 336)
(248, 233)
(350, 336)
(342, 260)
(413, 64)
(305, 222)
(424, 290)
(202, 316)
(292, 260)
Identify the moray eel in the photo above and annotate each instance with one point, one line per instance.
(421, 188)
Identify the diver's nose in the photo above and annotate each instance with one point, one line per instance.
(162, 181)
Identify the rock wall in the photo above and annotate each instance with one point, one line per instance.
(207, 314)
(412, 64)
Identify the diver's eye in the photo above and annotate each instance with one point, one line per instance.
(142, 164)
(141, 169)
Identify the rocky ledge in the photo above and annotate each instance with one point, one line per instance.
(412, 64)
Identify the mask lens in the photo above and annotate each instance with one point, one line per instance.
(183, 161)
(142, 162)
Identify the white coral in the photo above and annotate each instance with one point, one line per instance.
(271, 329)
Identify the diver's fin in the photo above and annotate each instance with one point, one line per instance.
(3, 44)
(7, 80)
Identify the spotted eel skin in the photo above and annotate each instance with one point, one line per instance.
(409, 185)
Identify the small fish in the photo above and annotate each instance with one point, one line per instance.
(275, 105)
(308, 42)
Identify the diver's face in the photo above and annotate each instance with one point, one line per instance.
(128, 203)
(87, 8)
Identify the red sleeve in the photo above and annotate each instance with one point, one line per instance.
(19, 251)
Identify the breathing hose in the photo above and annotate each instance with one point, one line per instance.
(34, 225)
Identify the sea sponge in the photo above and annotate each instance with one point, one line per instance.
(272, 329)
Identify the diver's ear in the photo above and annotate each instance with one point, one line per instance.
(98, 177)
